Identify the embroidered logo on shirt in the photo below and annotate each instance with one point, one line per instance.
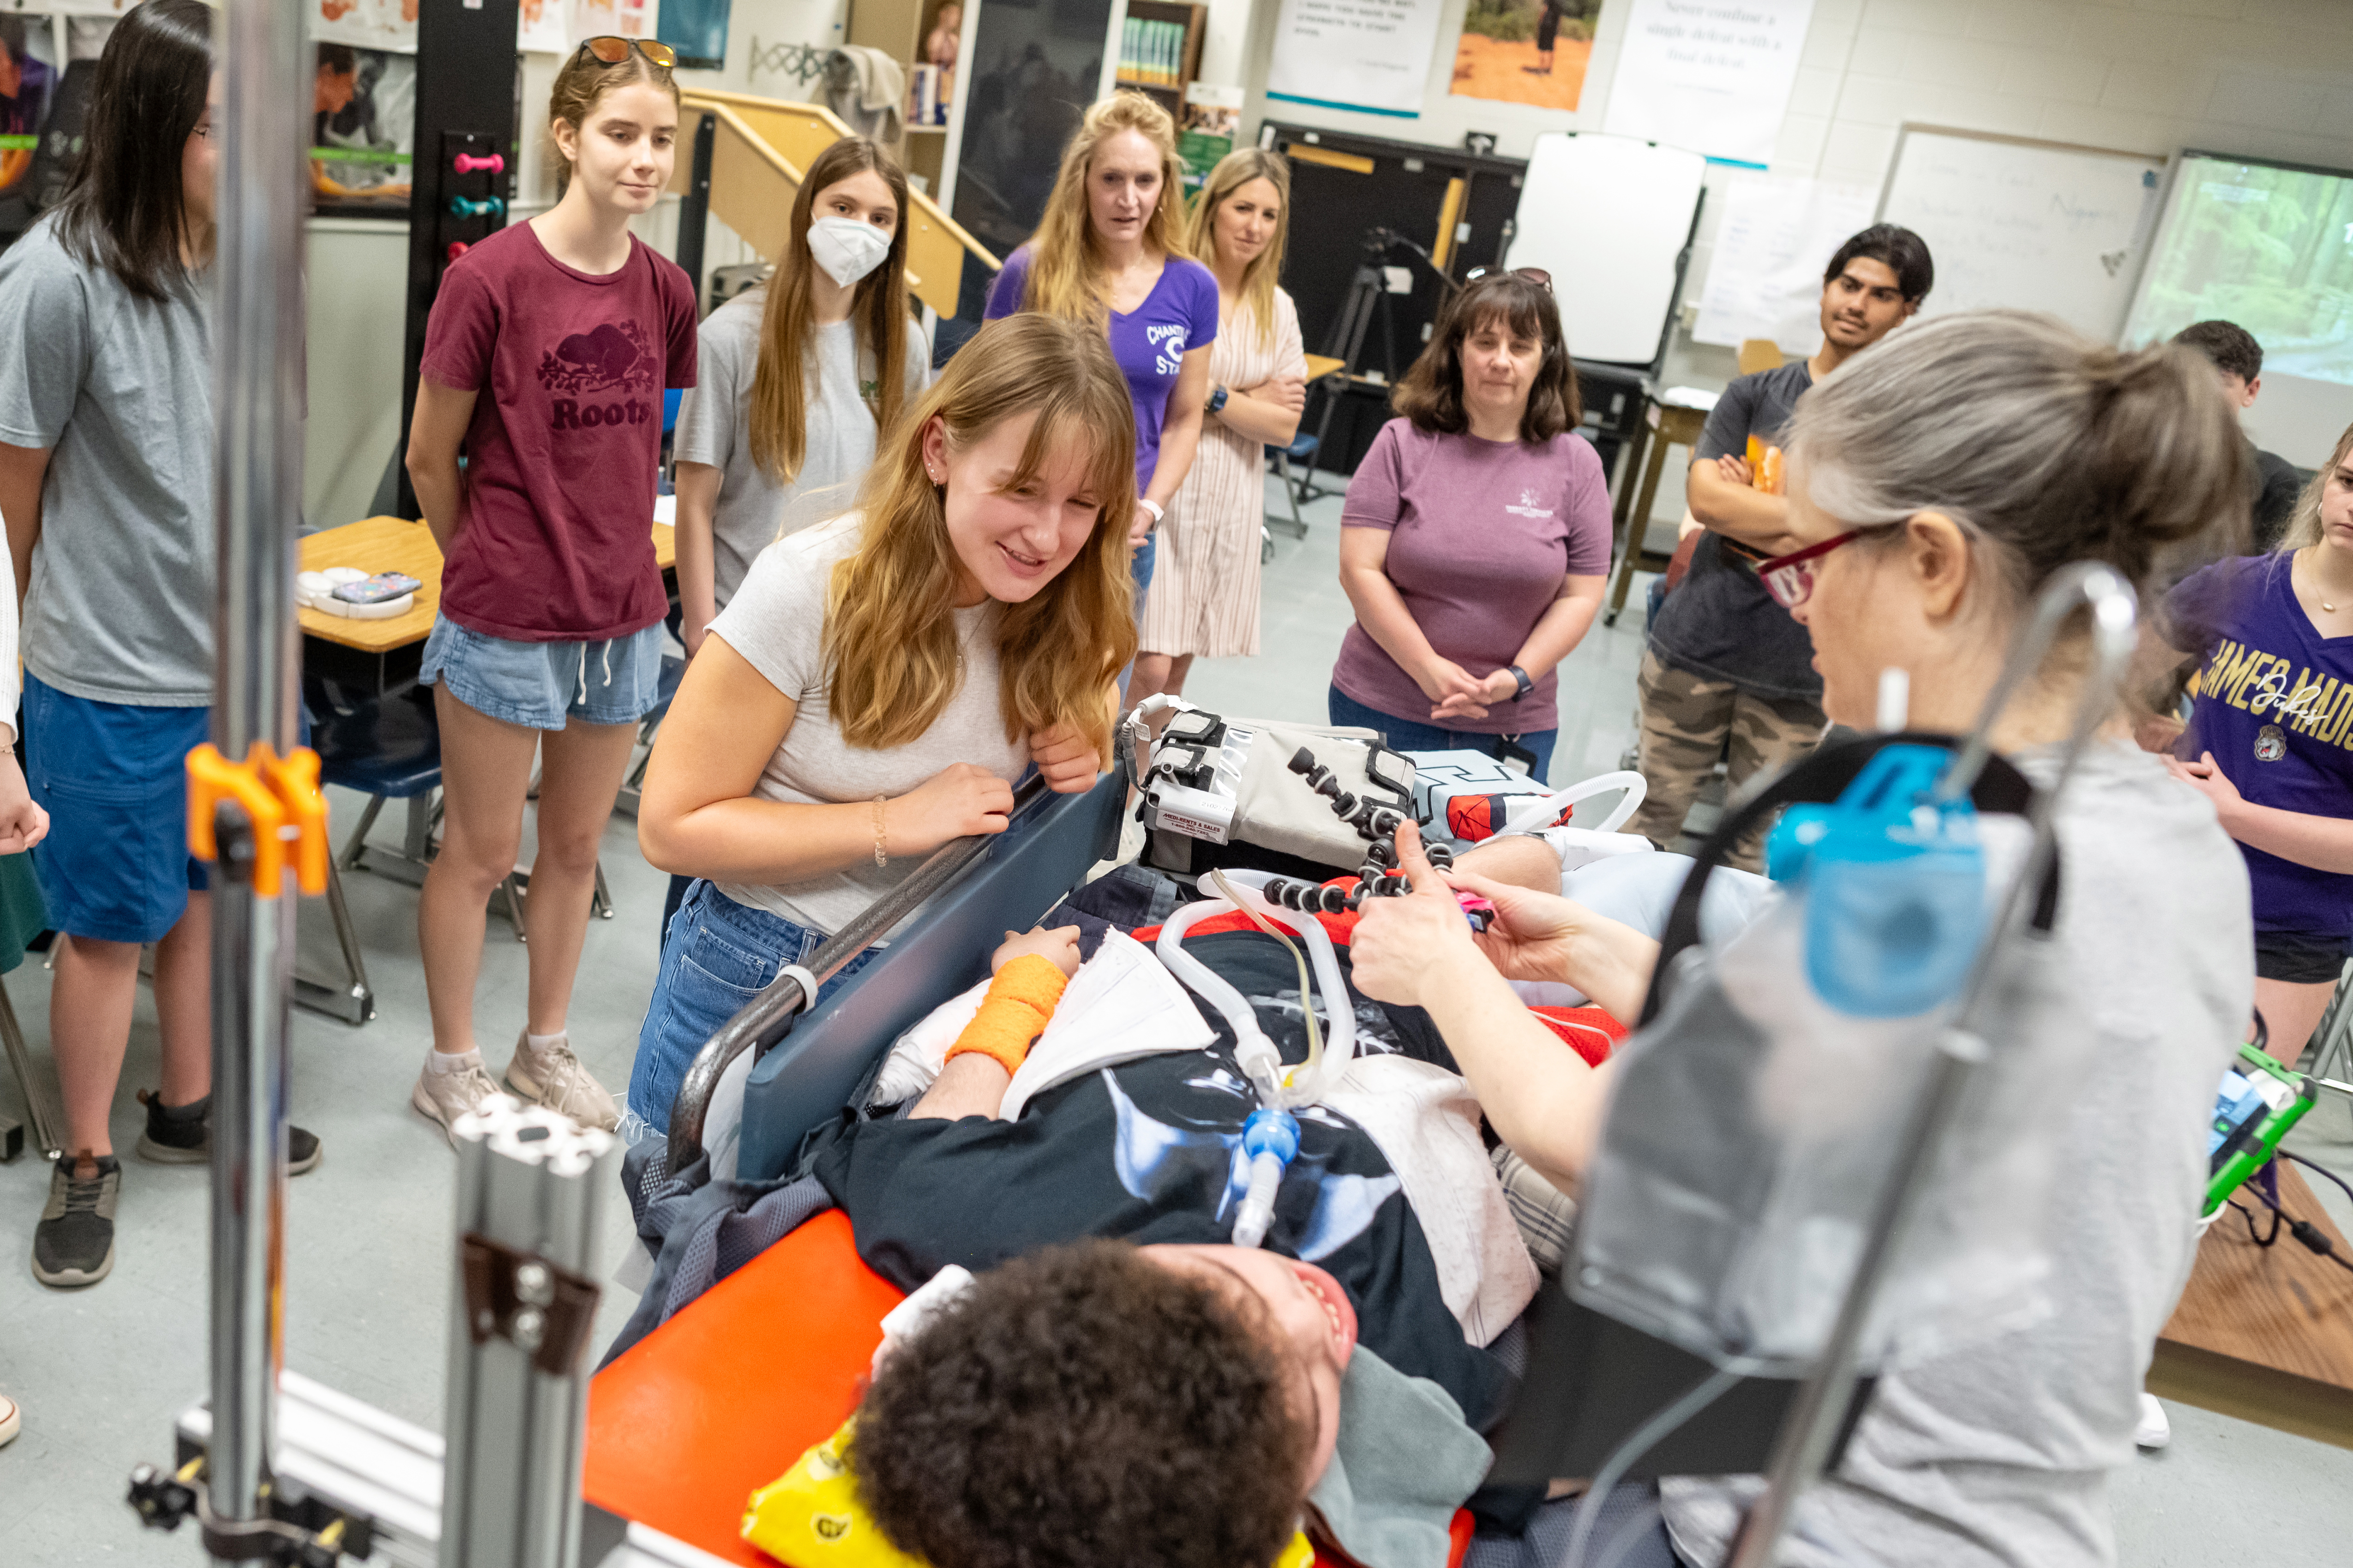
(1169, 344)
(610, 358)
(1528, 506)
(2271, 743)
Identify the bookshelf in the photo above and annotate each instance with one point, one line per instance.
(1160, 50)
(898, 28)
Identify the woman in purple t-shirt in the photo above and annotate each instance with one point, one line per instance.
(2270, 742)
(1475, 537)
(1109, 251)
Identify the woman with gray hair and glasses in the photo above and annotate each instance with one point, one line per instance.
(1935, 486)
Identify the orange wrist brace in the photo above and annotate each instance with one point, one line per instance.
(1020, 1000)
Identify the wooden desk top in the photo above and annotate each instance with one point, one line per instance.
(2265, 1334)
(1321, 365)
(395, 544)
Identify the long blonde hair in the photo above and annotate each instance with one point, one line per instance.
(2303, 525)
(1065, 265)
(889, 626)
(779, 403)
(1234, 171)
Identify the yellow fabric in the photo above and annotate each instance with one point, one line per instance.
(810, 1516)
(1300, 1554)
(1020, 1000)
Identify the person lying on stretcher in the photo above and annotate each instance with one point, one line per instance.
(1166, 1396)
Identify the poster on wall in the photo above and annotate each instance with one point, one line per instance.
(1213, 117)
(1709, 75)
(1525, 51)
(386, 25)
(540, 28)
(363, 127)
(1764, 279)
(622, 18)
(27, 84)
(1371, 56)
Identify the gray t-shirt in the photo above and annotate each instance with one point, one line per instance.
(120, 606)
(776, 621)
(1998, 1452)
(1720, 622)
(714, 427)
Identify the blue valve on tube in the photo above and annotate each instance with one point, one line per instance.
(1270, 1138)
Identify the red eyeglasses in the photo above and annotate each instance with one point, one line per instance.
(1790, 578)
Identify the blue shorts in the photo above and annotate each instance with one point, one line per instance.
(718, 955)
(113, 777)
(544, 685)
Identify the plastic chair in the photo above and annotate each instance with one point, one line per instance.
(673, 670)
(1303, 449)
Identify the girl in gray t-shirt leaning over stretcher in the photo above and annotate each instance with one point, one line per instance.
(1928, 520)
(879, 682)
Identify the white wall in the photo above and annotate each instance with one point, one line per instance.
(2265, 79)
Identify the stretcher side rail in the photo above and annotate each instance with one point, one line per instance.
(1051, 840)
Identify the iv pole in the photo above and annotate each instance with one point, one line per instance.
(258, 326)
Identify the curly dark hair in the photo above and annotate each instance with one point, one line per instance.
(2231, 346)
(1431, 393)
(1083, 1406)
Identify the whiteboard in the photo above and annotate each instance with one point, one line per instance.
(2035, 225)
(1608, 217)
(1764, 279)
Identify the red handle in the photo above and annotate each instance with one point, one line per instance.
(458, 247)
(467, 163)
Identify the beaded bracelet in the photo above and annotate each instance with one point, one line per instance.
(881, 856)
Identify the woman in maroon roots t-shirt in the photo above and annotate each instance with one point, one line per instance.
(549, 349)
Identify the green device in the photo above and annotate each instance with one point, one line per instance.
(2258, 1102)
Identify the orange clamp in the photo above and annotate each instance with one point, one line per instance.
(279, 796)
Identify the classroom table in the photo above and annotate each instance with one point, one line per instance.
(381, 655)
(1665, 425)
(2264, 1333)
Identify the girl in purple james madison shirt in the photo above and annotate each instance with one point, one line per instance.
(1475, 537)
(2270, 742)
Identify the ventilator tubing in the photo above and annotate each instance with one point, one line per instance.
(1260, 1060)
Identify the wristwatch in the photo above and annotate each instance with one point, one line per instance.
(1521, 676)
(1217, 400)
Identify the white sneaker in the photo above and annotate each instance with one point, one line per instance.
(555, 1078)
(2153, 1431)
(446, 1096)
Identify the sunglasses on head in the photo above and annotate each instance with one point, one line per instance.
(1535, 274)
(608, 49)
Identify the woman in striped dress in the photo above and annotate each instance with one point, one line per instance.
(1204, 601)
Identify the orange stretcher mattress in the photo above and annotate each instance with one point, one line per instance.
(725, 1397)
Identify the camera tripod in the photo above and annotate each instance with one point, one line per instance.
(1368, 295)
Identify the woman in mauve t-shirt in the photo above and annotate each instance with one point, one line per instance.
(2270, 742)
(1475, 537)
(546, 356)
(1109, 251)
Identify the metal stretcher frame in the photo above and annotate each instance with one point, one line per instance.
(809, 1066)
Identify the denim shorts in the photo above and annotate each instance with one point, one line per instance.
(113, 777)
(720, 954)
(541, 685)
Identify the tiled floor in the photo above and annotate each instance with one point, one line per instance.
(100, 1373)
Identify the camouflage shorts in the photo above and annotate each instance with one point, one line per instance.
(1688, 722)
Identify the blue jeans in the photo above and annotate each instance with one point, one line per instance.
(1412, 735)
(718, 955)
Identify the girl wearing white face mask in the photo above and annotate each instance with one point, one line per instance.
(781, 426)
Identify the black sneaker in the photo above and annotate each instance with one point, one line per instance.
(74, 1244)
(183, 1135)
